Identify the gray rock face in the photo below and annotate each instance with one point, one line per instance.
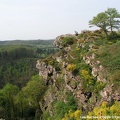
(46, 70)
(45, 103)
(98, 70)
(109, 94)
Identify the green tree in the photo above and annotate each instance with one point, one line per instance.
(107, 20)
(101, 21)
(7, 101)
(34, 89)
(113, 18)
(27, 101)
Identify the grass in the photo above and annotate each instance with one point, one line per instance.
(109, 55)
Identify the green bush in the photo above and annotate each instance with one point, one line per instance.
(99, 86)
(113, 36)
(61, 108)
(67, 41)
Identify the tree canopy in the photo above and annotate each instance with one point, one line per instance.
(108, 20)
(113, 18)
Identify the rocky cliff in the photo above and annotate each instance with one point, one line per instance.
(76, 72)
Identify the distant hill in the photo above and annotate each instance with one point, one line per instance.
(38, 42)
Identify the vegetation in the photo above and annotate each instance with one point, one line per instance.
(27, 100)
(107, 20)
(17, 66)
(61, 108)
(77, 82)
(7, 105)
(67, 41)
(37, 43)
(73, 115)
(71, 67)
(103, 112)
(17, 62)
(106, 111)
(21, 104)
(109, 56)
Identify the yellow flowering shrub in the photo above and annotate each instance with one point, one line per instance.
(78, 48)
(77, 114)
(71, 67)
(85, 74)
(73, 115)
(106, 111)
(115, 109)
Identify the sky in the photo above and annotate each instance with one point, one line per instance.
(47, 19)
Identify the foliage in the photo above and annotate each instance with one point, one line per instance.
(113, 18)
(61, 108)
(105, 110)
(15, 52)
(51, 61)
(23, 104)
(28, 98)
(7, 101)
(86, 74)
(34, 89)
(44, 52)
(40, 43)
(109, 55)
(72, 115)
(71, 67)
(100, 21)
(17, 72)
(88, 81)
(67, 41)
(107, 20)
(99, 86)
(115, 109)
(113, 36)
(17, 63)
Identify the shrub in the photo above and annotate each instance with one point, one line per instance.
(99, 86)
(113, 36)
(86, 75)
(61, 108)
(105, 110)
(67, 41)
(88, 81)
(71, 67)
(72, 115)
(115, 108)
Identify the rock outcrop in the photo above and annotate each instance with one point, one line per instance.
(58, 40)
(63, 80)
(98, 71)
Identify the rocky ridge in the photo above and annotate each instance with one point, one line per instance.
(61, 80)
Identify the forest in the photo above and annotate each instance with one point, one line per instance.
(18, 61)
(17, 67)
